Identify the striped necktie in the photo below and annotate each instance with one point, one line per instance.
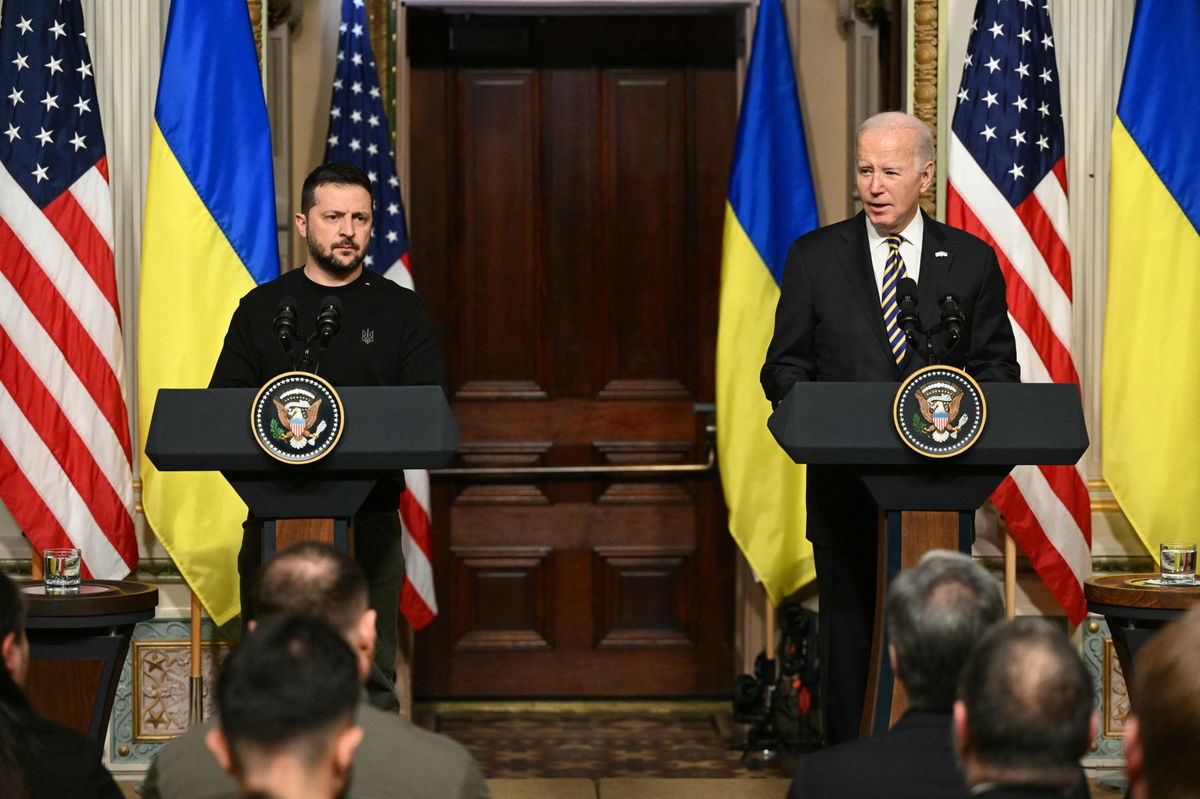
(893, 273)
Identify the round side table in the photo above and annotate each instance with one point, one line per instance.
(77, 645)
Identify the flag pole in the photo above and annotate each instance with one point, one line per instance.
(196, 714)
(1010, 576)
(770, 611)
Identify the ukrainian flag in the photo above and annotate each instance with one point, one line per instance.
(1150, 381)
(770, 204)
(208, 238)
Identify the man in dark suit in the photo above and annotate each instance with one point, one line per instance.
(830, 325)
(1024, 716)
(936, 611)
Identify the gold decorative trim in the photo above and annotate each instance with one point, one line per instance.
(256, 25)
(925, 79)
(1116, 695)
(1106, 506)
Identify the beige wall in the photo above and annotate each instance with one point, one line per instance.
(821, 49)
(313, 49)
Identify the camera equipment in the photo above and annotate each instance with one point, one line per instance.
(780, 700)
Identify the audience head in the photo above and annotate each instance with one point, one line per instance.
(286, 698)
(318, 580)
(936, 611)
(1024, 713)
(14, 646)
(14, 660)
(1161, 736)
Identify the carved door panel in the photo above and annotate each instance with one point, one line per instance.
(568, 184)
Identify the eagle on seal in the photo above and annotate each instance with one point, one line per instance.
(298, 420)
(938, 410)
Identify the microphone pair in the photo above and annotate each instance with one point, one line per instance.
(908, 320)
(329, 322)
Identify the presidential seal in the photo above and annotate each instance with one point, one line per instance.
(297, 417)
(939, 411)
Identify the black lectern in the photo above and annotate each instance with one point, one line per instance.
(928, 503)
(386, 429)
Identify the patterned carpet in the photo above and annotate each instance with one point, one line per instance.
(695, 743)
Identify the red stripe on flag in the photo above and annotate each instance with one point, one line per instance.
(66, 331)
(102, 167)
(1060, 171)
(89, 246)
(1045, 237)
(1046, 560)
(44, 414)
(414, 608)
(27, 507)
(416, 520)
(1068, 486)
(1022, 304)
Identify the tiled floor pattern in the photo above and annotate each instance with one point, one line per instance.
(606, 745)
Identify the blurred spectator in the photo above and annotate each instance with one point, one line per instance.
(1162, 737)
(286, 699)
(935, 611)
(396, 758)
(38, 759)
(1024, 716)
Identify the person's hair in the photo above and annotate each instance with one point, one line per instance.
(1166, 687)
(13, 704)
(898, 120)
(1028, 698)
(935, 612)
(312, 579)
(288, 685)
(325, 174)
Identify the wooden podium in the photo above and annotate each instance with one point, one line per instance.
(927, 503)
(385, 429)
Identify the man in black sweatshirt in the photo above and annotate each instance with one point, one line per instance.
(386, 339)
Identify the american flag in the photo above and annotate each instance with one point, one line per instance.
(358, 134)
(1008, 185)
(65, 463)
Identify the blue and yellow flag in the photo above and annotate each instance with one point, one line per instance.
(770, 204)
(208, 238)
(1151, 371)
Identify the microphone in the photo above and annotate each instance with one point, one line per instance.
(329, 320)
(952, 318)
(285, 323)
(906, 301)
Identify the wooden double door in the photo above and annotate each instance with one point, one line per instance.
(568, 185)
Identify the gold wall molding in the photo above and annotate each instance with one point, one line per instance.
(925, 79)
(1116, 694)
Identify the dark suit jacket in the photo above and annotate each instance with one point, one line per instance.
(913, 759)
(59, 762)
(829, 326)
(396, 758)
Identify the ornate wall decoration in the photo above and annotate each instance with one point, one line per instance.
(1116, 694)
(1111, 698)
(152, 700)
(161, 686)
(925, 78)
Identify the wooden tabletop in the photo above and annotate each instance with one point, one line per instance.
(95, 598)
(1130, 590)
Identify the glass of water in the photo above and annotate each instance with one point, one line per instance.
(60, 570)
(1177, 561)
